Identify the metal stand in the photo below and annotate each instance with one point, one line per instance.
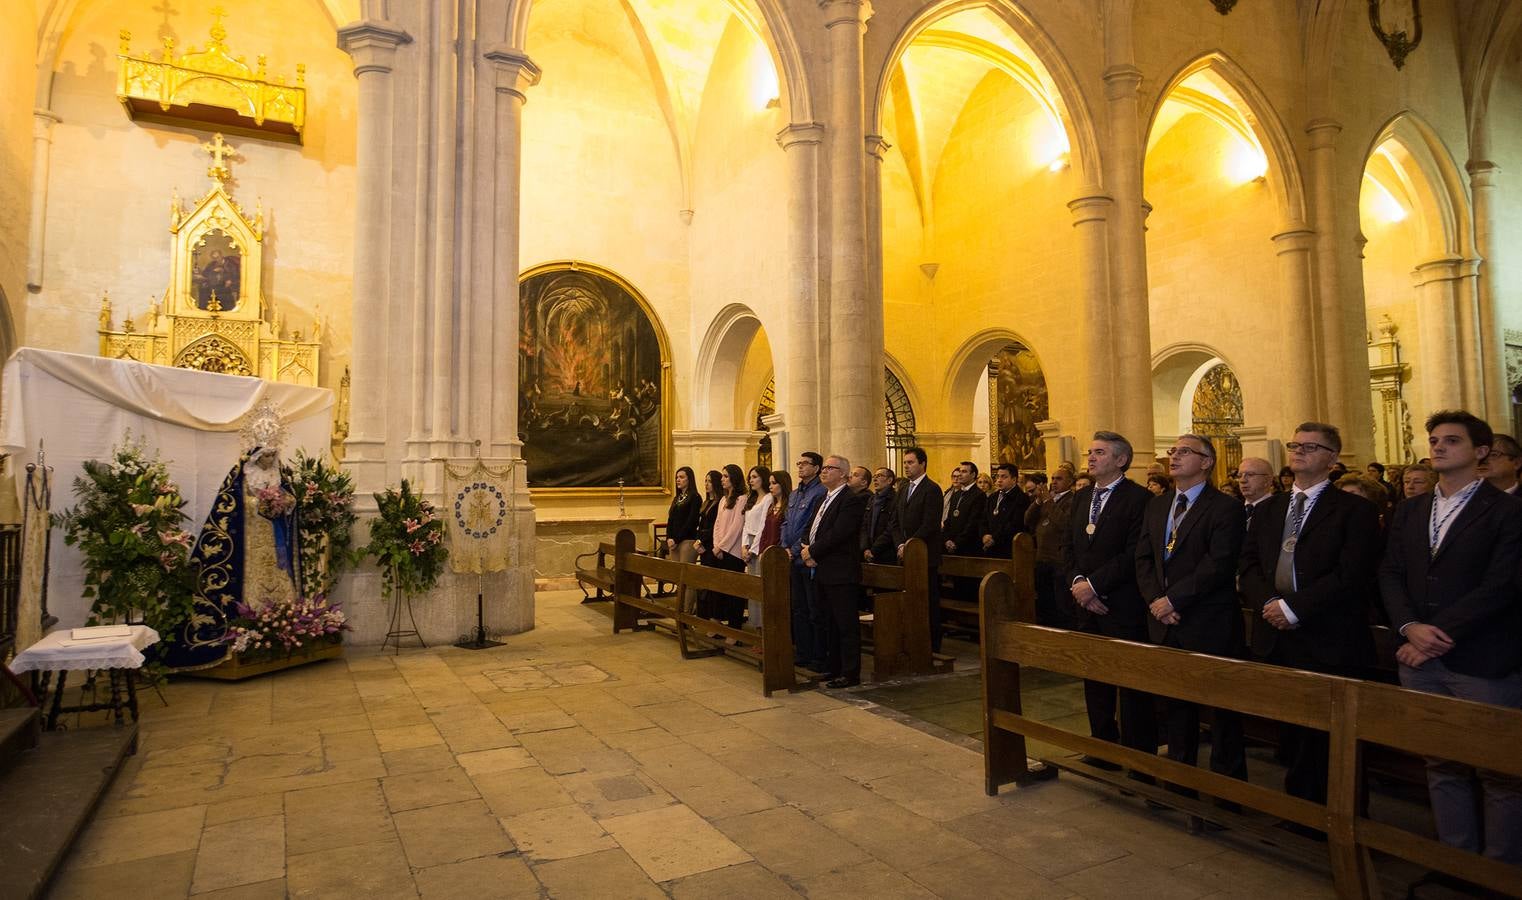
(396, 632)
(480, 641)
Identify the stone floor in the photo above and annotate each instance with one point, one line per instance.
(575, 763)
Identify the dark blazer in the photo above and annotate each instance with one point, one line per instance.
(1201, 577)
(877, 525)
(836, 547)
(1108, 559)
(1003, 519)
(1470, 589)
(704, 534)
(964, 521)
(1336, 558)
(682, 518)
(919, 516)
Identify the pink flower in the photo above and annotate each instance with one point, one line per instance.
(416, 547)
(411, 525)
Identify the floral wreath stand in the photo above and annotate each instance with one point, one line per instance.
(395, 632)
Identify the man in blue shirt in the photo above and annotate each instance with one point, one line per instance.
(809, 626)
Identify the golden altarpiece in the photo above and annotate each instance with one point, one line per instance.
(213, 315)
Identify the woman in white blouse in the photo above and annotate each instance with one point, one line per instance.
(758, 503)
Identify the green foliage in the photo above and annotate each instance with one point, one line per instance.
(129, 525)
(407, 541)
(326, 495)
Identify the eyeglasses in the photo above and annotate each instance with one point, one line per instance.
(1254, 475)
(1186, 451)
(1307, 446)
(836, 468)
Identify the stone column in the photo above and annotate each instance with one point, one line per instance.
(800, 390)
(1492, 343)
(1297, 372)
(43, 121)
(1437, 322)
(1133, 355)
(493, 408)
(856, 424)
(1100, 366)
(1328, 325)
(1466, 307)
(373, 45)
(877, 339)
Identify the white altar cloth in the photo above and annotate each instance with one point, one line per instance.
(82, 406)
(59, 652)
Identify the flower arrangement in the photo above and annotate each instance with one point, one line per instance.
(326, 495)
(407, 541)
(275, 502)
(285, 627)
(129, 524)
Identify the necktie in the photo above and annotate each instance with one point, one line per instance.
(1180, 507)
(1250, 508)
(1284, 572)
(818, 517)
(1093, 509)
(998, 499)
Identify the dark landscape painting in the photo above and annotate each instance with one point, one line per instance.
(589, 383)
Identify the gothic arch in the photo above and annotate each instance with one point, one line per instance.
(911, 391)
(721, 358)
(1284, 180)
(1077, 121)
(1434, 184)
(1176, 372)
(968, 365)
(775, 31)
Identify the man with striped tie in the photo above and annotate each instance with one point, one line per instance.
(1104, 528)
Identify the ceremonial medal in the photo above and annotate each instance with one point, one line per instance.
(1289, 544)
(1090, 529)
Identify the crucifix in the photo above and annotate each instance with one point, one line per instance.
(220, 152)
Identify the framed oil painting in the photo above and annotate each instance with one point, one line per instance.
(592, 390)
(216, 275)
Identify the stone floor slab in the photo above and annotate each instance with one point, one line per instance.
(673, 842)
(375, 871)
(610, 873)
(749, 881)
(435, 835)
(558, 833)
(789, 843)
(167, 875)
(421, 789)
(238, 853)
(486, 878)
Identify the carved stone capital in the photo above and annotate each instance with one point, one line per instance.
(1295, 238)
(1122, 82)
(516, 73)
(845, 12)
(876, 146)
(1091, 208)
(1482, 172)
(372, 43)
(1323, 133)
(803, 133)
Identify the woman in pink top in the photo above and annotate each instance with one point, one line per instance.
(728, 540)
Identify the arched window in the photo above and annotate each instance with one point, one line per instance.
(898, 420)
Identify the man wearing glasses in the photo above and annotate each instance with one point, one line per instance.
(1308, 569)
(808, 615)
(1255, 479)
(1186, 568)
(1500, 467)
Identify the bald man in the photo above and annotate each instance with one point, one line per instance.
(1255, 478)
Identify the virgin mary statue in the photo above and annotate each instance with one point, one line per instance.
(248, 550)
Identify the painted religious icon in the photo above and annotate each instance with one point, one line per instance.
(590, 403)
(216, 275)
(1017, 395)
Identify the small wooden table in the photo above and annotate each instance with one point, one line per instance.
(120, 656)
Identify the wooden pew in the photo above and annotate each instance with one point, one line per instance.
(900, 630)
(1019, 565)
(771, 647)
(599, 574)
(1355, 713)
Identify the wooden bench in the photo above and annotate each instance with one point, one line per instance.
(1019, 565)
(595, 569)
(899, 630)
(771, 648)
(1356, 714)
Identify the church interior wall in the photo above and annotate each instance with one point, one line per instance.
(1212, 273)
(18, 73)
(112, 178)
(1506, 152)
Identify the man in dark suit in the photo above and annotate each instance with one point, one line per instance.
(1004, 516)
(1308, 569)
(1449, 581)
(877, 524)
(831, 553)
(1047, 519)
(917, 514)
(959, 533)
(1103, 531)
(1186, 568)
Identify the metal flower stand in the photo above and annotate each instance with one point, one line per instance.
(395, 633)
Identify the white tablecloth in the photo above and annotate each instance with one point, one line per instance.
(58, 652)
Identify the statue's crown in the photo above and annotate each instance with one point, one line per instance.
(262, 426)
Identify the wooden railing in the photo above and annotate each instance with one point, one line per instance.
(771, 645)
(1020, 565)
(1354, 713)
(901, 614)
(599, 574)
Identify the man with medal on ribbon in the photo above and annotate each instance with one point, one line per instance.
(1308, 569)
(1186, 570)
(1449, 582)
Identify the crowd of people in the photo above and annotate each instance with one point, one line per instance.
(1315, 552)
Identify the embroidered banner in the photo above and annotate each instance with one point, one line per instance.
(478, 500)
